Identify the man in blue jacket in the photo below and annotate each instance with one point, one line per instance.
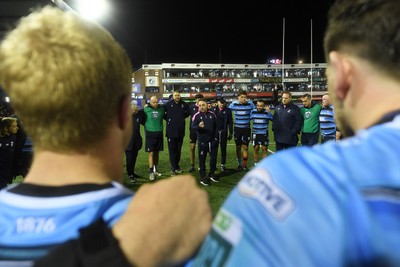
(176, 111)
(287, 123)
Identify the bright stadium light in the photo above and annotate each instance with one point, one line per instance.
(93, 9)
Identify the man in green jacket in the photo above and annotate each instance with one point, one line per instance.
(154, 127)
(310, 113)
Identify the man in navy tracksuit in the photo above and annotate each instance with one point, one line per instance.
(224, 128)
(176, 111)
(287, 123)
(136, 143)
(205, 122)
(193, 109)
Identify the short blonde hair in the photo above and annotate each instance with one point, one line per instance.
(65, 77)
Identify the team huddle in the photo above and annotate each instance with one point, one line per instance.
(211, 127)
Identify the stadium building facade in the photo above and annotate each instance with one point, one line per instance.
(225, 80)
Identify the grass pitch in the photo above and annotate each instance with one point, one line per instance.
(217, 191)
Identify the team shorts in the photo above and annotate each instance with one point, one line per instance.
(192, 135)
(260, 139)
(242, 136)
(154, 141)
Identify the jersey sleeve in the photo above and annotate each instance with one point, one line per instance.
(273, 218)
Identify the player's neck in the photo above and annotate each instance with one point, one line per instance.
(51, 168)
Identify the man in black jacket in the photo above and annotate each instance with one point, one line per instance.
(224, 128)
(132, 150)
(176, 111)
(287, 123)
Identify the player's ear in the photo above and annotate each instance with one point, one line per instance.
(340, 74)
(124, 112)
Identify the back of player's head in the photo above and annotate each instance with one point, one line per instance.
(368, 29)
(198, 96)
(222, 100)
(65, 77)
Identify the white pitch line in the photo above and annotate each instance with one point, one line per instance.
(269, 150)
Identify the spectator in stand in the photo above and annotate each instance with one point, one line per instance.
(260, 118)
(176, 111)
(5, 109)
(20, 138)
(154, 128)
(136, 143)
(241, 109)
(310, 112)
(224, 128)
(8, 131)
(287, 123)
(193, 109)
(275, 96)
(205, 123)
(329, 130)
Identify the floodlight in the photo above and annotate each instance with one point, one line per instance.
(93, 9)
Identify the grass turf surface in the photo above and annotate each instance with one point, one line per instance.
(217, 191)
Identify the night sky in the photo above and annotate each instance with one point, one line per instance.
(219, 31)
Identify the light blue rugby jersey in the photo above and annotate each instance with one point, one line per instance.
(336, 204)
(30, 226)
(260, 121)
(242, 113)
(327, 122)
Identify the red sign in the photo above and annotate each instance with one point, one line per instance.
(259, 94)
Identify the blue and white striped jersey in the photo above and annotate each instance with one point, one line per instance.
(260, 121)
(337, 205)
(35, 218)
(327, 122)
(242, 113)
